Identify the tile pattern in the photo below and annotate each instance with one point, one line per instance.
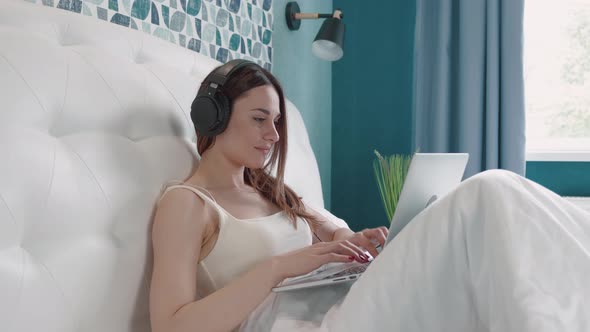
(221, 29)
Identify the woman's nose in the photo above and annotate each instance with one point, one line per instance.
(272, 134)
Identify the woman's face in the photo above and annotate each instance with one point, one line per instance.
(251, 133)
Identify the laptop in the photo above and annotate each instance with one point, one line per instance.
(430, 177)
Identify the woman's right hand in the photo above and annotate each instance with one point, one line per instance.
(307, 259)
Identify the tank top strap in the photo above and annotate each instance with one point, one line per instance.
(199, 191)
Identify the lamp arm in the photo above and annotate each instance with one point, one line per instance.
(293, 15)
(310, 16)
(303, 16)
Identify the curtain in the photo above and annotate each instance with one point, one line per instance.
(468, 81)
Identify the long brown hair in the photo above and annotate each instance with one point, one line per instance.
(271, 188)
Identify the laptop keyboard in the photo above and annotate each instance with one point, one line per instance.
(349, 271)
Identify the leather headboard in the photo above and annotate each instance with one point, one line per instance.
(94, 119)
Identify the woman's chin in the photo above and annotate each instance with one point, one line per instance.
(255, 165)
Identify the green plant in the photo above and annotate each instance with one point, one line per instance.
(390, 173)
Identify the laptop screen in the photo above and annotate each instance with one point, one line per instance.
(430, 177)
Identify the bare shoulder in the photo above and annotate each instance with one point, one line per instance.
(183, 210)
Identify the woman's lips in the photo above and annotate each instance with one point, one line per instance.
(263, 150)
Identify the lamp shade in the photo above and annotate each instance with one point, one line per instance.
(329, 41)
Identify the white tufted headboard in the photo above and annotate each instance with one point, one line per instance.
(94, 119)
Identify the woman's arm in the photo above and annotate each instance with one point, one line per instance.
(328, 230)
(342, 233)
(177, 237)
(177, 234)
(226, 308)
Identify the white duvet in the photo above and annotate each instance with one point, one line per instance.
(499, 253)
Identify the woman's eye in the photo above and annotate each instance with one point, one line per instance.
(259, 119)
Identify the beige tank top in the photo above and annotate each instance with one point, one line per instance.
(242, 243)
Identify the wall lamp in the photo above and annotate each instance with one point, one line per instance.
(328, 43)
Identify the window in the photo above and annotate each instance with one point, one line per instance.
(557, 79)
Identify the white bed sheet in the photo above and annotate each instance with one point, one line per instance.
(500, 253)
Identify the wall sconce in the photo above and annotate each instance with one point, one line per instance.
(329, 41)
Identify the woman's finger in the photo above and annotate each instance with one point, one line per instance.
(376, 235)
(367, 244)
(342, 247)
(359, 252)
(379, 234)
(334, 257)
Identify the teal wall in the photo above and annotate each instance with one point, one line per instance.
(564, 178)
(307, 81)
(372, 104)
(364, 102)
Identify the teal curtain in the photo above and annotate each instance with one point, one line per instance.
(468, 81)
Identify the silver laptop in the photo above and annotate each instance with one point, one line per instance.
(430, 177)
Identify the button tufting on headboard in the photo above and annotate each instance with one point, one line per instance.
(95, 118)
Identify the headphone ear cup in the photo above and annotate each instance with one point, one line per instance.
(204, 114)
(224, 109)
(211, 109)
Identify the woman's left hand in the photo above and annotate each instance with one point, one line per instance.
(368, 238)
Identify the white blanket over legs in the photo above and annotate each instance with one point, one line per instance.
(500, 253)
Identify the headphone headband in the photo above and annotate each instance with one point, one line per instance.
(220, 75)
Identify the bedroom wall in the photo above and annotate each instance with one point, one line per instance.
(307, 81)
(565, 178)
(220, 29)
(372, 104)
(372, 101)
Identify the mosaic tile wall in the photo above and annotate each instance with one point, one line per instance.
(221, 29)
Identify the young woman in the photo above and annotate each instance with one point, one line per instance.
(232, 231)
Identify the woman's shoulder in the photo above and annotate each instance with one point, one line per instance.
(179, 196)
(181, 192)
(178, 204)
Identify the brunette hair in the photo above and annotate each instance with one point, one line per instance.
(272, 188)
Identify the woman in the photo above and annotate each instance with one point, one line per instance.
(231, 232)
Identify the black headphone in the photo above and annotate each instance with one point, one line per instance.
(211, 109)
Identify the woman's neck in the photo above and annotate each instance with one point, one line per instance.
(217, 172)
